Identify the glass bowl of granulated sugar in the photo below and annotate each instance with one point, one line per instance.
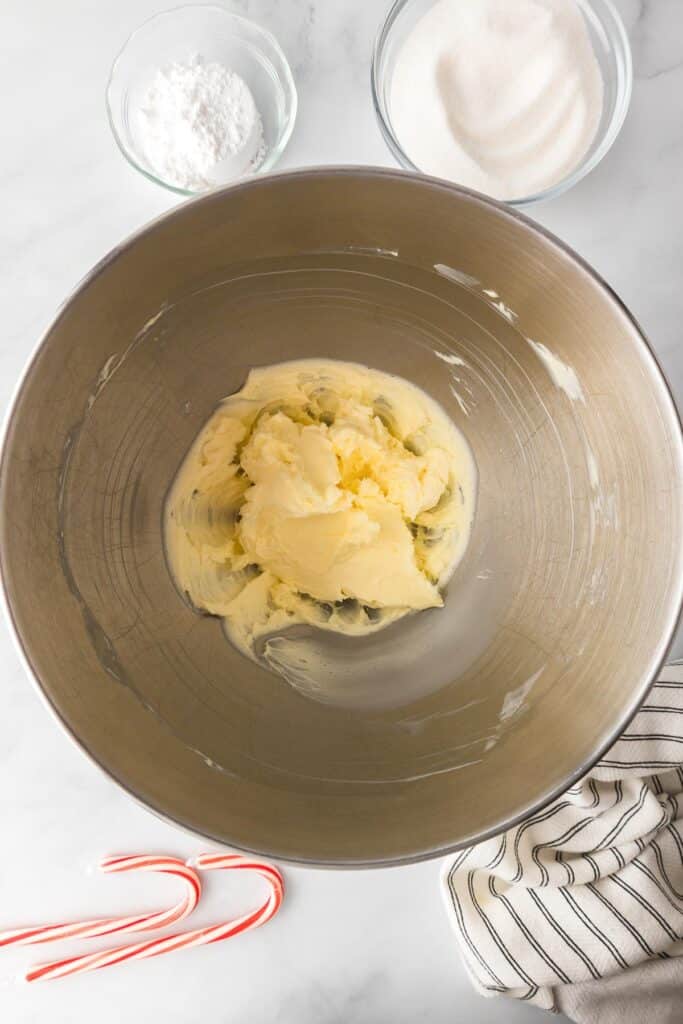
(518, 99)
(199, 97)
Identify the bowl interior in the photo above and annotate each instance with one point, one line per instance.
(455, 721)
(612, 50)
(215, 34)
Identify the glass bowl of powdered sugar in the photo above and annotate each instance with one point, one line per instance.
(199, 97)
(518, 100)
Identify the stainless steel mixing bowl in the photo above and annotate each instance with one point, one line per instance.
(456, 721)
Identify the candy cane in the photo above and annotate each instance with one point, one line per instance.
(182, 940)
(119, 925)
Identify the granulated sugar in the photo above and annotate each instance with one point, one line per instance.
(199, 125)
(504, 96)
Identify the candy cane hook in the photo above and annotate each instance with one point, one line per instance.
(183, 940)
(119, 925)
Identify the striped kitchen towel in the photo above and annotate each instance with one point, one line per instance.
(580, 908)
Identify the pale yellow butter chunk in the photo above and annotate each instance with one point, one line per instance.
(323, 493)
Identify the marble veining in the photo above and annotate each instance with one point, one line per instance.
(361, 947)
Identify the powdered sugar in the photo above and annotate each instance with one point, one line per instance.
(200, 126)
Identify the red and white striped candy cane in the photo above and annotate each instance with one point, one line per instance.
(119, 925)
(183, 940)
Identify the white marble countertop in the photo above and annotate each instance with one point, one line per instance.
(349, 947)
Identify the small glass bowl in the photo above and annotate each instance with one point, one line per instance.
(612, 49)
(215, 34)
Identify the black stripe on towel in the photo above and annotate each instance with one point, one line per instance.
(555, 924)
(664, 925)
(644, 736)
(501, 853)
(559, 858)
(638, 764)
(496, 937)
(672, 828)
(544, 955)
(660, 864)
(644, 869)
(623, 821)
(646, 948)
(568, 834)
(543, 816)
(498, 985)
(596, 869)
(585, 920)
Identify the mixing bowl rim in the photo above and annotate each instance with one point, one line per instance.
(349, 171)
